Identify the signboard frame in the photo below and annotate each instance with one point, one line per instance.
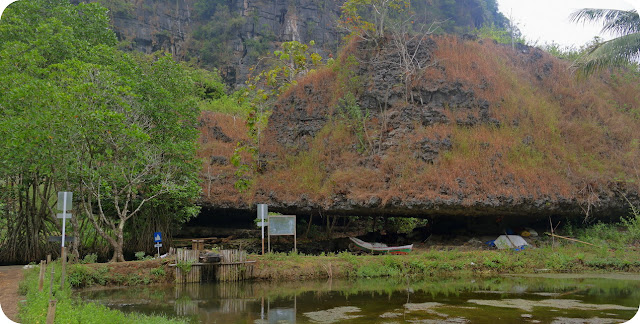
(272, 227)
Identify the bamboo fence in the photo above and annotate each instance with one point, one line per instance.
(189, 257)
(234, 266)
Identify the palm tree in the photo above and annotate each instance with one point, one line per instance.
(617, 52)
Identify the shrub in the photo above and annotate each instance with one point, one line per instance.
(79, 276)
(90, 258)
(372, 270)
(496, 260)
(184, 266)
(632, 223)
(134, 279)
(349, 257)
(158, 272)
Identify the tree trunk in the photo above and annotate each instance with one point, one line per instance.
(118, 256)
(75, 254)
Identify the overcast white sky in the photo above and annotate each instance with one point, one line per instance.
(544, 21)
(547, 21)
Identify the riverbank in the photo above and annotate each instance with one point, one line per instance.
(567, 258)
(450, 262)
(68, 309)
(564, 259)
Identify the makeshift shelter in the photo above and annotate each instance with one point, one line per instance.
(510, 242)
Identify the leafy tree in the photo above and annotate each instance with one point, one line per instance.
(35, 36)
(291, 62)
(617, 52)
(212, 41)
(117, 129)
(370, 18)
(137, 146)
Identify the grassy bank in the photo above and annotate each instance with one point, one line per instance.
(613, 247)
(130, 273)
(69, 310)
(566, 258)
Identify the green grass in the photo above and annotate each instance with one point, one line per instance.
(82, 276)
(563, 257)
(68, 309)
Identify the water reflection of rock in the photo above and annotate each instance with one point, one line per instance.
(437, 300)
(214, 303)
(333, 315)
(528, 305)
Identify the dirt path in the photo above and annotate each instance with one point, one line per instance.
(10, 276)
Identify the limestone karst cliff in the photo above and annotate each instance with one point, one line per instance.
(482, 130)
(231, 35)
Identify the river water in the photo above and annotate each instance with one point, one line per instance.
(560, 298)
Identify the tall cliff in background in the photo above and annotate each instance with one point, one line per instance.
(483, 130)
(231, 35)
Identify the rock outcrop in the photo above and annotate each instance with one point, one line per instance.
(479, 130)
(177, 26)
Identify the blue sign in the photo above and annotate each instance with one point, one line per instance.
(157, 237)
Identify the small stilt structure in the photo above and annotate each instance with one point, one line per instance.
(190, 257)
(234, 266)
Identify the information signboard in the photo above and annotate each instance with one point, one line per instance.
(65, 201)
(282, 225)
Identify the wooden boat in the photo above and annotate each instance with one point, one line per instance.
(380, 247)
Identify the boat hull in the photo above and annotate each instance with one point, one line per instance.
(368, 247)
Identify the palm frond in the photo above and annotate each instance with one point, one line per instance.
(617, 22)
(617, 52)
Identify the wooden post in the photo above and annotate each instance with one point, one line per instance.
(51, 312)
(41, 279)
(48, 258)
(51, 281)
(197, 245)
(64, 266)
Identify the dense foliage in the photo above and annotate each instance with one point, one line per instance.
(79, 115)
(291, 62)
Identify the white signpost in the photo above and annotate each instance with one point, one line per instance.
(65, 199)
(262, 217)
(65, 204)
